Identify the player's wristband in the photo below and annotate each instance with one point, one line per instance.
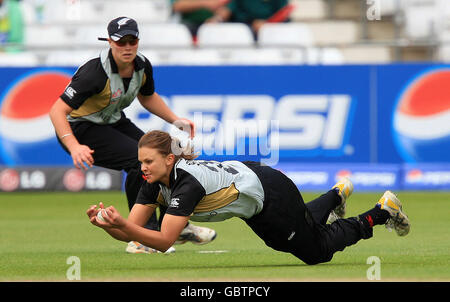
(65, 135)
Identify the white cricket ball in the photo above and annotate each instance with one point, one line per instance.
(100, 215)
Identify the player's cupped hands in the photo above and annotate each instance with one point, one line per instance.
(92, 213)
(111, 217)
(82, 157)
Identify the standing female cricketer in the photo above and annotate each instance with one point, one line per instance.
(267, 200)
(90, 124)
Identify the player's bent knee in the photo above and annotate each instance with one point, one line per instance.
(313, 260)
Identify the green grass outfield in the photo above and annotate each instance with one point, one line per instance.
(40, 231)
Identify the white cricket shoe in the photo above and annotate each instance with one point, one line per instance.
(135, 247)
(196, 235)
(398, 220)
(345, 189)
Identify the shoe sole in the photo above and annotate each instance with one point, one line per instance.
(192, 238)
(136, 251)
(347, 185)
(398, 218)
(340, 210)
(205, 242)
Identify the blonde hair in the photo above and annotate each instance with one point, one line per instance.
(166, 144)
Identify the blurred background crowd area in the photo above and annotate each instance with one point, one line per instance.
(64, 32)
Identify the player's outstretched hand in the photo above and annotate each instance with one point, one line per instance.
(81, 155)
(185, 125)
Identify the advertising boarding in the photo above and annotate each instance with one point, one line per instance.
(384, 126)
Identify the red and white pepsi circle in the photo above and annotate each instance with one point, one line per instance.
(27, 136)
(422, 118)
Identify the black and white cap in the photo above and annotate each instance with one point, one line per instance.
(120, 27)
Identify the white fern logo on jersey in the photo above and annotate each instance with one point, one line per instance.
(123, 21)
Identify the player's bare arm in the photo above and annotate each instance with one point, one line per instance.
(171, 228)
(80, 153)
(138, 215)
(132, 228)
(156, 105)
